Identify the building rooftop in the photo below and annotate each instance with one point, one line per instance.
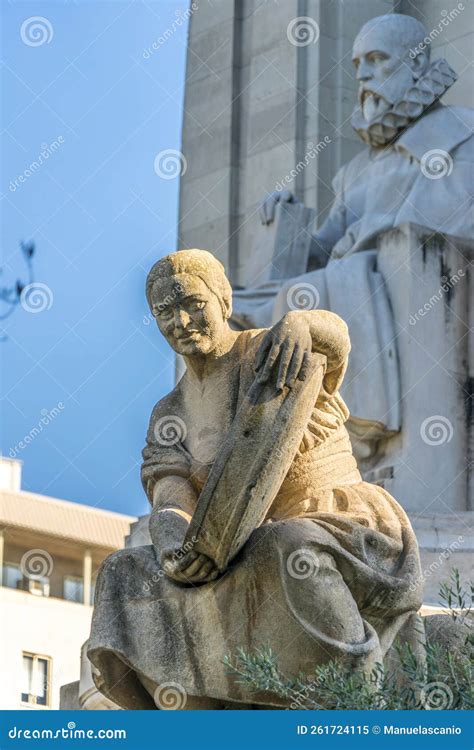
(63, 519)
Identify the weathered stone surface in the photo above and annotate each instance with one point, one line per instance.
(223, 521)
(448, 633)
(329, 566)
(168, 632)
(69, 697)
(429, 283)
(418, 169)
(266, 142)
(393, 259)
(90, 698)
(281, 250)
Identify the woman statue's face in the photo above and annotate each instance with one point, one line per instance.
(188, 314)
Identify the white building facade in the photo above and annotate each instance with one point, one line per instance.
(50, 551)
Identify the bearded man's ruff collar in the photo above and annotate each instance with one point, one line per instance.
(425, 92)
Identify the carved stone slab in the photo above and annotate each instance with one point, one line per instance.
(281, 250)
(252, 463)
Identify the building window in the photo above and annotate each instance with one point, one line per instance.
(73, 588)
(36, 687)
(12, 576)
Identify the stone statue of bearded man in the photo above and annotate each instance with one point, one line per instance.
(417, 168)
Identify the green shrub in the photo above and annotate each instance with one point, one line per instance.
(443, 680)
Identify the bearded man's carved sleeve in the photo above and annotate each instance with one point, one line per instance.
(333, 228)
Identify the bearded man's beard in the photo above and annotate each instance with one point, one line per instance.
(373, 105)
(379, 122)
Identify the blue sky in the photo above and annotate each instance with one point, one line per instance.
(100, 215)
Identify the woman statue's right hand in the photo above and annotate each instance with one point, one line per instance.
(192, 567)
(268, 207)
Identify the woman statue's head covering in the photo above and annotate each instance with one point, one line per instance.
(198, 263)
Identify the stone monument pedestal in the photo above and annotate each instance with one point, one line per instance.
(83, 694)
(438, 624)
(428, 465)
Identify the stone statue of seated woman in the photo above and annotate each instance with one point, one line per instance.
(328, 567)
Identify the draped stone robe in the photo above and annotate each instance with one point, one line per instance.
(332, 572)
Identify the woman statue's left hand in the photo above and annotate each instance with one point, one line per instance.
(287, 346)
